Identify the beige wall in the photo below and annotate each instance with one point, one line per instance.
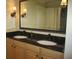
(12, 22)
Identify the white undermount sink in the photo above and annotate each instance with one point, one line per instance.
(20, 37)
(45, 42)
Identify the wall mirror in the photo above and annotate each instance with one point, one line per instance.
(43, 15)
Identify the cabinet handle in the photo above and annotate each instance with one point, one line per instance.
(41, 57)
(11, 45)
(14, 46)
(36, 55)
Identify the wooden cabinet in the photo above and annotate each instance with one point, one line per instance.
(47, 57)
(31, 51)
(50, 54)
(10, 49)
(21, 50)
(14, 50)
(31, 55)
(26, 51)
(19, 53)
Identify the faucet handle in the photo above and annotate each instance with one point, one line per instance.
(24, 31)
(49, 36)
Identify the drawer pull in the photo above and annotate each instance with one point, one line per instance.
(11, 45)
(41, 57)
(36, 55)
(14, 46)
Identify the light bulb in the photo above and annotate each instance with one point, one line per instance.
(64, 2)
(25, 10)
(14, 8)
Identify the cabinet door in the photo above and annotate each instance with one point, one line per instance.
(47, 57)
(50, 57)
(31, 55)
(50, 54)
(19, 50)
(9, 49)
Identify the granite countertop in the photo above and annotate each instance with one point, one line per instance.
(58, 47)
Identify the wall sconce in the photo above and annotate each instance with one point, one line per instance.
(13, 12)
(64, 3)
(24, 13)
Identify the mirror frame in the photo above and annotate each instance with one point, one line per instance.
(35, 29)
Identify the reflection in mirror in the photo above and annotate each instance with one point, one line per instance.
(43, 15)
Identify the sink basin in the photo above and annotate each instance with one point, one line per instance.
(20, 37)
(45, 42)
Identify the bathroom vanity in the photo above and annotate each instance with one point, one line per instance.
(42, 16)
(28, 48)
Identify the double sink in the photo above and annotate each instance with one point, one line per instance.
(42, 42)
(38, 40)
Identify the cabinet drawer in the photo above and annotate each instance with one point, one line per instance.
(50, 57)
(27, 46)
(32, 48)
(51, 53)
(31, 55)
(19, 44)
(47, 57)
(28, 52)
(9, 42)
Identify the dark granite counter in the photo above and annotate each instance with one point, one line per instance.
(33, 40)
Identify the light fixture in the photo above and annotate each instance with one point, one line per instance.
(24, 13)
(64, 3)
(13, 12)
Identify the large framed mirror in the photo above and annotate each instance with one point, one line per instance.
(42, 15)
